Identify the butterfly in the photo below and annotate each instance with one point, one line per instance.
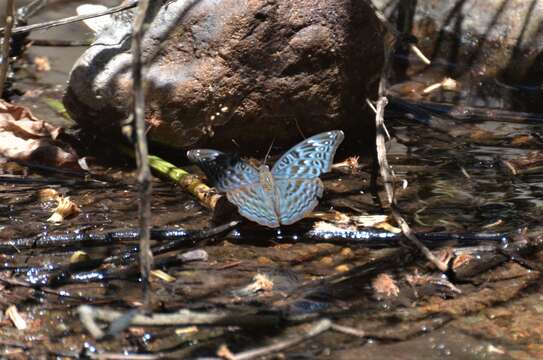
(280, 196)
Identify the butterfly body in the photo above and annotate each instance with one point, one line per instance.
(266, 178)
(282, 195)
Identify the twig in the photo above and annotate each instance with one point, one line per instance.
(388, 175)
(71, 19)
(142, 153)
(191, 183)
(89, 315)
(348, 330)
(391, 29)
(317, 329)
(47, 290)
(119, 356)
(10, 20)
(30, 9)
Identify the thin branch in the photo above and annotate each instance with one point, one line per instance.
(348, 330)
(391, 29)
(89, 316)
(142, 153)
(71, 19)
(388, 175)
(47, 290)
(119, 356)
(10, 20)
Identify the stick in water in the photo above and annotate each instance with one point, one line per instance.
(142, 154)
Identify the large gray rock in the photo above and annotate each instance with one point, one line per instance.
(229, 73)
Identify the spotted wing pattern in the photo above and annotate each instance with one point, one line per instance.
(310, 158)
(297, 186)
(241, 183)
(255, 204)
(297, 198)
(296, 175)
(226, 172)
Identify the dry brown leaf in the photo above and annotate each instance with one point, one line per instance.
(47, 194)
(261, 282)
(384, 284)
(64, 209)
(25, 137)
(42, 64)
(332, 216)
(351, 164)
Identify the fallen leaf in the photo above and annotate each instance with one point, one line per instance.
(25, 137)
(41, 63)
(47, 194)
(384, 284)
(65, 209)
(261, 282)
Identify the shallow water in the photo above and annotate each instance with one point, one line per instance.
(454, 183)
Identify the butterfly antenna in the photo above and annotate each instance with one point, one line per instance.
(269, 150)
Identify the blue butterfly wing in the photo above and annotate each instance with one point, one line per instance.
(297, 198)
(310, 158)
(241, 183)
(254, 204)
(296, 175)
(225, 171)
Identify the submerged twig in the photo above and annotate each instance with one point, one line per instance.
(142, 153)
(4, 66)
(44, 289)
(123, 272)
(176, 237)
(71, 19)
(318, 328)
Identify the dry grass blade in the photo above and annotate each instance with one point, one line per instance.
(71, 19)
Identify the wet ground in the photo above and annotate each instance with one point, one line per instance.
(457, 181)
